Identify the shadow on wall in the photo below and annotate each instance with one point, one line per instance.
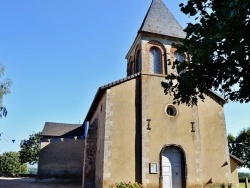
(61, 159)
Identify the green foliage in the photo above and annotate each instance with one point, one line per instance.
(29, 152)
(4, 90)
(231, 139)
(243, 180)
(223, 185)
(126, 185)
(244, 175)
(240, 146)
(219, 51)
(10, 164)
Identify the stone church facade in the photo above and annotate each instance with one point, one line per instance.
(136, 134)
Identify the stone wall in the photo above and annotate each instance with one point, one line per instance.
(90, 157)
(61, 158)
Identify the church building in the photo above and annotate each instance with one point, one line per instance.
(137, 134)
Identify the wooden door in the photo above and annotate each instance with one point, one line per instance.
(166, 172)
(171, 168)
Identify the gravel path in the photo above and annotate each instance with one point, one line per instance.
(32, 183)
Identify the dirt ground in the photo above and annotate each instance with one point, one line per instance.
(32, 183)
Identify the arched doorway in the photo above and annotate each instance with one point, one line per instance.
(173, 167)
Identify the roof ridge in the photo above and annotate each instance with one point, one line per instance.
(63, 123)
(61, 129)
(160, 20)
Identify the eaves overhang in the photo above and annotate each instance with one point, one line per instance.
(216, 97)
(236, 159)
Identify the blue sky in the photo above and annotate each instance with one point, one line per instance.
(58, 52)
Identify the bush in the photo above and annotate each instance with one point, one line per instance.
(10, 165)
(126, 185)
(242, 179)
(223, 185)
(244, 174)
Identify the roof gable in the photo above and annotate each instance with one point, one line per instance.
(103, 89)
(160, 20)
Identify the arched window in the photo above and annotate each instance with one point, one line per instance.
(155, 62)
(132, 68)
(128, 69)
(138, 62)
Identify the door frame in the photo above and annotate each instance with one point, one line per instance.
(183, 163)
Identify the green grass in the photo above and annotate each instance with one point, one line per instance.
(242, 185)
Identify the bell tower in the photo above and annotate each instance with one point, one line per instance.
(152, 46)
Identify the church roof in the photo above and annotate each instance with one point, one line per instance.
(160, 20)
(236, 159)
(62, 129)
(101, 90)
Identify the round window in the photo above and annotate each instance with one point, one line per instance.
(171, 110)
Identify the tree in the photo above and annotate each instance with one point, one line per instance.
(29, 152)
(218, 47)
(4, 89)
(240, 146)
(10, 164)
(231, 140)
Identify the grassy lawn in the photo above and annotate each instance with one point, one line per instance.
(242, 185)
